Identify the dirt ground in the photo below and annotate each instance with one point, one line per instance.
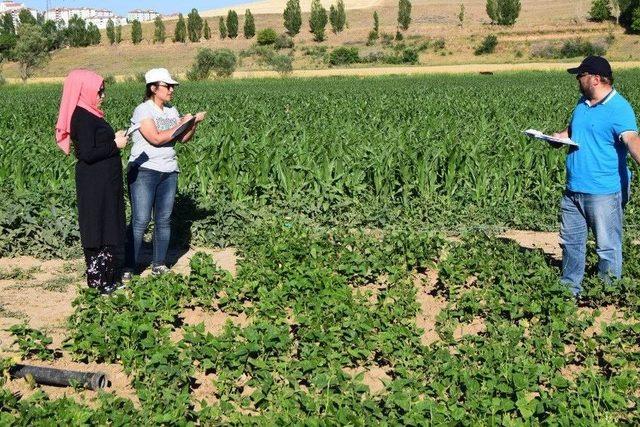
(43, 292)
(42, 296)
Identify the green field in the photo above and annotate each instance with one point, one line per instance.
(342, 195)
(430, 152)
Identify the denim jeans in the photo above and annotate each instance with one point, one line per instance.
(603, 214)
(150, 190)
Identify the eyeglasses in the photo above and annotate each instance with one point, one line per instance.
(168, 86)
(581, 75)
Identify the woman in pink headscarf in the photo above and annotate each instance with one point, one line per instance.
(99, 189)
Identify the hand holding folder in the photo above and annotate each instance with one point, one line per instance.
(533, 133)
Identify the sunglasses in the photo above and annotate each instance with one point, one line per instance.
(168, 86)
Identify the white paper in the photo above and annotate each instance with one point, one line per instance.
(533, 133)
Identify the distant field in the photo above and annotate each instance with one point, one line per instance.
(393, 142)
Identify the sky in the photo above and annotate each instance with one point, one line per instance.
(121, 7)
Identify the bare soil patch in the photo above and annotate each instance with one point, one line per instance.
(204, 389)
(607, 315)
(549, 242)
(430, 305)
(475, 327)
(213, 321)
(374, 377)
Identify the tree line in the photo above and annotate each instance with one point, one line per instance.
(31, 41)
(623, 12)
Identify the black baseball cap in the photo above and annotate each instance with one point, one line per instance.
(596, 65)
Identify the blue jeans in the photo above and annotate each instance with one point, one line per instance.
(150, 190)
(603, 214)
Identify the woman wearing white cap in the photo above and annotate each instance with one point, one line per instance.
(153, 168)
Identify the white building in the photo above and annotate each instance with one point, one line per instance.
(14, 9)
(142, 15)
(98, 17)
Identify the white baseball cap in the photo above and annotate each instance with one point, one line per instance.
(159, 75)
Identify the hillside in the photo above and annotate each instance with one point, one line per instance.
(541, 24)
(277, 6)
(534, 12)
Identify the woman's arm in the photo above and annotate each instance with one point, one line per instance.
(156, 137)
(189, 134)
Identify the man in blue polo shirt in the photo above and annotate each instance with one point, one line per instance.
(604, 125)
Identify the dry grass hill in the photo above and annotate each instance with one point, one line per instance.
(541, 23)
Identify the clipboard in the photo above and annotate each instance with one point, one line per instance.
(132, 129)
(183, 127)
(533, 133)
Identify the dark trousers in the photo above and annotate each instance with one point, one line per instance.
(103, 266)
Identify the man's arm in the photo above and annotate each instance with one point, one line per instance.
(632, 139)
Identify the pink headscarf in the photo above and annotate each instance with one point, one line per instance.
(80, 88)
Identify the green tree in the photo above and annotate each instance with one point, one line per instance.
(25, 17)
(318, 20)
(461, 15)
(373, 34)
(267, 36)
(283, 64)
(503, 12)
(206, 31)
(376, 22)
(77, 32)
(54, 34)
(600, 11)
(180, 33)
(635, 20)
(292, 17)
(7, 24)
(159, 31)
(249, 29)
(404, 14)
(232, 24)
(93, 34)
(492, 10)
(136, 31)
(223, 28)
(31, 50)
(118, 37)
(222, 61)
(111, 31)
(342, 15)
(337, 17)
(616, 8)
(7, 43)
(194, 26)
(626, 12)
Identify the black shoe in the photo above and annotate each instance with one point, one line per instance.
(127, 276)
(159, 270)
(109, 289)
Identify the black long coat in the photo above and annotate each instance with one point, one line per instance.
(99, 188)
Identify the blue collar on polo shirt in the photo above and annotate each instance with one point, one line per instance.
(603, 100)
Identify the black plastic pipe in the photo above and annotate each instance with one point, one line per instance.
(60, 377)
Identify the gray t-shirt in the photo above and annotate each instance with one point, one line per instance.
(160, 158)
